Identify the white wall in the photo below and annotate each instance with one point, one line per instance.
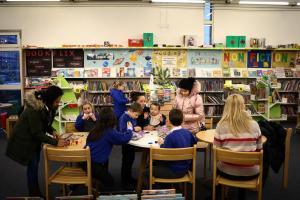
(90, 24)
(277, 26)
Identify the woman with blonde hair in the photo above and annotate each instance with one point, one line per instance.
(237, 131)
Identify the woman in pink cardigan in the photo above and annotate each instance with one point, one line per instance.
(190, 102)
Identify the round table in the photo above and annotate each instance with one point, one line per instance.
(149, 139)
(5, 105)
(208, 136)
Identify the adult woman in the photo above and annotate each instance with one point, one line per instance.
(237, 131)
(190, 102)
(30, 132)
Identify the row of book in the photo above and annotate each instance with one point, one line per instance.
(132, 72)
(211, 111)
(289, 110)
(290, 85)
(211, 85)
(105, 86)
(291, 98)
(100, 99)
(216, 99)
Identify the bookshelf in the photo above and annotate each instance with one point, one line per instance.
(207, 65)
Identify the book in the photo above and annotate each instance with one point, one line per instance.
(192, 72)
(252, 73)
(190, 40)
(91, 73)
(279, 72)
(106, 72)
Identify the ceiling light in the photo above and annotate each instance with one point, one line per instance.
(284, 3)
(177, 1)
(298, 4)
(32, 0)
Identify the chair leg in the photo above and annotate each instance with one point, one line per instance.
(47, 191)
(64, 189)
(194, 191)
(222, 192)
(210, 152)
(184, 189)
(204, 167)
(259, 193)
(213, 192)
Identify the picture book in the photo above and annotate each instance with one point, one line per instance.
(130, 72)
(190, 40)
(91, 73)
(106, 72)
(192, 72)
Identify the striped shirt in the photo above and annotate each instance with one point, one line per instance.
(249, 141)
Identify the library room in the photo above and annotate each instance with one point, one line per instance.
(149, 99)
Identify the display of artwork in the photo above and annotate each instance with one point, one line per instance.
(234, 59)
(170, 58)
(259, 59)
(284, 58)
(204, 59)
(38, 62)
(68, 58)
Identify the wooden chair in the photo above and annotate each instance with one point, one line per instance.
(67, 175)
(82, 197)
(288, 136)
(171, 154)
(70, 127)
(205, 147)
(10, 122)
(239, 158)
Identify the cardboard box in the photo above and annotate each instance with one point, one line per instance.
(135, 42)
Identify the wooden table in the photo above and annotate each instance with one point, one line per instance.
(208, 136)
(144, 143)
(76, 142)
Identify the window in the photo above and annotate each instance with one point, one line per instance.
(208, 19)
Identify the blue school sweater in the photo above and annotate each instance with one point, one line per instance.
(101, 148)
(179, 138)
(119, 101)
(85, 125)
(123, 122)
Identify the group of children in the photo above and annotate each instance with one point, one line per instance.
(116, 127)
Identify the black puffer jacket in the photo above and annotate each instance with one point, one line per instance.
(30, 131)
(274, 147)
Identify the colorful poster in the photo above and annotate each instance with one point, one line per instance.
(259, 59)
(169, 61)
(181, 57)
(204, 58)
(284, 58)
(234, 59)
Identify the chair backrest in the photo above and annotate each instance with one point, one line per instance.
(209, 123)
(173, 154)
(82, 197)
(66, 155)
(239, 158)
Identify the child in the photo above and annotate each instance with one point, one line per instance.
(86, 121)
(119, 98)
(177, 138)
(155, 117)
(101, 140)
(237, 131)
(128, 152)
(142, 120)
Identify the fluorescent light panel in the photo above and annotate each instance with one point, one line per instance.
(298, 4)
(177, 1)
(32, 0)
(284, 3)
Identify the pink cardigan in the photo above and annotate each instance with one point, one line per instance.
(192, 108)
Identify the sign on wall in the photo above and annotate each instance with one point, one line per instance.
(204, 58)
(68, 58)
(160, 56)
(234, 59)
(259, 59)
(38, 62)
(283, 58)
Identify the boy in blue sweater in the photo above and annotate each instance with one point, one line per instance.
(128, 152)
(119, 98)
(101, 140)
(177, 138)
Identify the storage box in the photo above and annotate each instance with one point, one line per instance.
(236, 41)
(135, 42)
(148, 39)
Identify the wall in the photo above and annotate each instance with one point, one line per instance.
(90, 24)
(277, 26)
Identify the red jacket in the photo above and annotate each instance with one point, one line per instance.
(192, 108)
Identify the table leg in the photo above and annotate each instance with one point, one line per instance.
(142, 170)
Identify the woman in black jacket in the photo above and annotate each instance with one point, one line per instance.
(29, 133)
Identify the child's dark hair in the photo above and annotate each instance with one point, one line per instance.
(155, 104)
(135, 95)
(135, 107)
(118, 83)
(49, 95)
(176, 117)
(107, 120)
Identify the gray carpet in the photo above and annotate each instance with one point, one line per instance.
(13, 176)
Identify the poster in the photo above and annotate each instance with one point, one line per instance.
(259, 59)
(284, 59)
(181, 57)
(68, 58)
(38, 62)
(234, 59)
(169, 61)
(204, 58)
